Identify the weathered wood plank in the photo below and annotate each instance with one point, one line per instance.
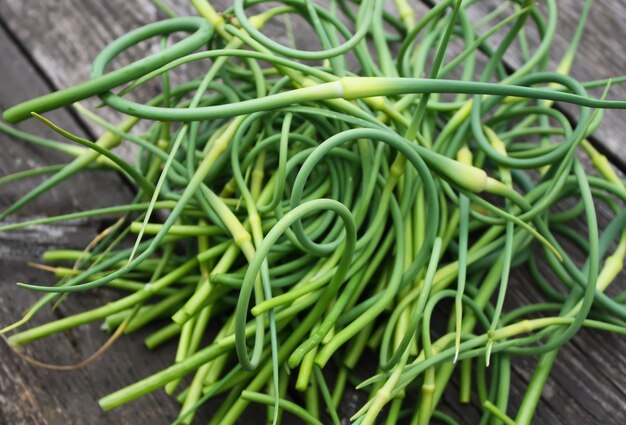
(587, 384)
(63, 38)
(30, 395)
(600, 55)
(51, 31)
(582, 373)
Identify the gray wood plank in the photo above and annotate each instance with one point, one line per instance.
(63, 38)
(600, 55)
(594, 383)
(50, 36)
(587, 384)
(30, 395)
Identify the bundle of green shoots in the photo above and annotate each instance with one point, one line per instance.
(319, 210)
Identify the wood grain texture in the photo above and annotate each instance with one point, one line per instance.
(63, 37)
(588, 384)
(30, 395)
(600, 55)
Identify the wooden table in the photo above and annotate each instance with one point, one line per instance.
(49, 44)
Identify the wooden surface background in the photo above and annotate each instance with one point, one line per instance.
(49, 44)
